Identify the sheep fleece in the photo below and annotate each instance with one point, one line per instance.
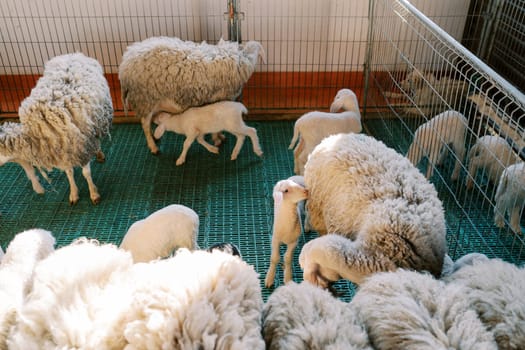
(361, 189)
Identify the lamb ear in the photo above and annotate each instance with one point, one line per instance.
(336, 106)
(277, 200)
(159, 131)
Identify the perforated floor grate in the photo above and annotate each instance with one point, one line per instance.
(233, 198)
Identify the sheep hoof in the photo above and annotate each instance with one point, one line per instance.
(179, 161)
(101, 158)
(95, 201)
(73, 201)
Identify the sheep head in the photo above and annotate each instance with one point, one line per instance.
(290, 191)
(345, 99)
(253, 50)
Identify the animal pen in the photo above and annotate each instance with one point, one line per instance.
(403, 59)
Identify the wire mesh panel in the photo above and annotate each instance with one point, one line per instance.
(421, 72)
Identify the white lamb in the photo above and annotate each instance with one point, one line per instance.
(303, 316)
(158, 235)
(91, 296)
(62, 122)
(287, 194)
(16, 274)
(195, 122)
(380, 210)
(492, 154)
(311, 128)
(163, 74)
(510, 197)
(433, 138)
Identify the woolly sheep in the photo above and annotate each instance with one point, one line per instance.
(311, 128)
(171, 75)
(491, 153)
(510, 197)
(493, 289)
(62, 122)
(16, 272)
(430, 95)
(302, 316)
(195, 122)
(159, 234)
(287, 194)
(433, 138)
(91, 296)
(412, 310)
(380, 210)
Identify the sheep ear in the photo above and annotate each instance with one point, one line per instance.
(159, 131)
(336, 106)
(277, 200)
(262, 54)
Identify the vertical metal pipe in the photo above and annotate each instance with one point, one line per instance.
(234, 23)
(368, 58)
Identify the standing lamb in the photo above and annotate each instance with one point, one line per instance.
(287, 194)
(163, 74)
(381, 212)
(158, 235)
(62, 122)
(510, 197)
(195, 122)
(433, 138)
(491, 153)
(310, 129)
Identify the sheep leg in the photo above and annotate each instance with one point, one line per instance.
(217, 138)
(146, 127)
(238, 146)
(73, 189)
(31, 175)
(252, 134)
(459, 152)
(210, 148)
(288, 261)
(93, 191)
(296, 155)
(515, 219)
(274, 260)
(472, 170)
(185, 147)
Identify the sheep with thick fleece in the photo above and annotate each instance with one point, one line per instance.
(287, 196)
(16, 273)
(412, 310)
(303, 316)
(432, 139)
(91, 296)
(510, 197)
(492, 154)
(163, 231)
(195, 122)
(62, 122)
(171, 75)
(493, 288)
(380, 211)
(311, 128)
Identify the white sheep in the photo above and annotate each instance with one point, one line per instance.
(287, 194)
(195, 122)
(493, 289)
(510, 197)
(311, 128)
(163, 231)
(303, 316)
(92, 296)
(380, 211)
(412, 310)
(16, 273)
(492, 154)
(163, 74)
(433, 138)
(62, 122)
